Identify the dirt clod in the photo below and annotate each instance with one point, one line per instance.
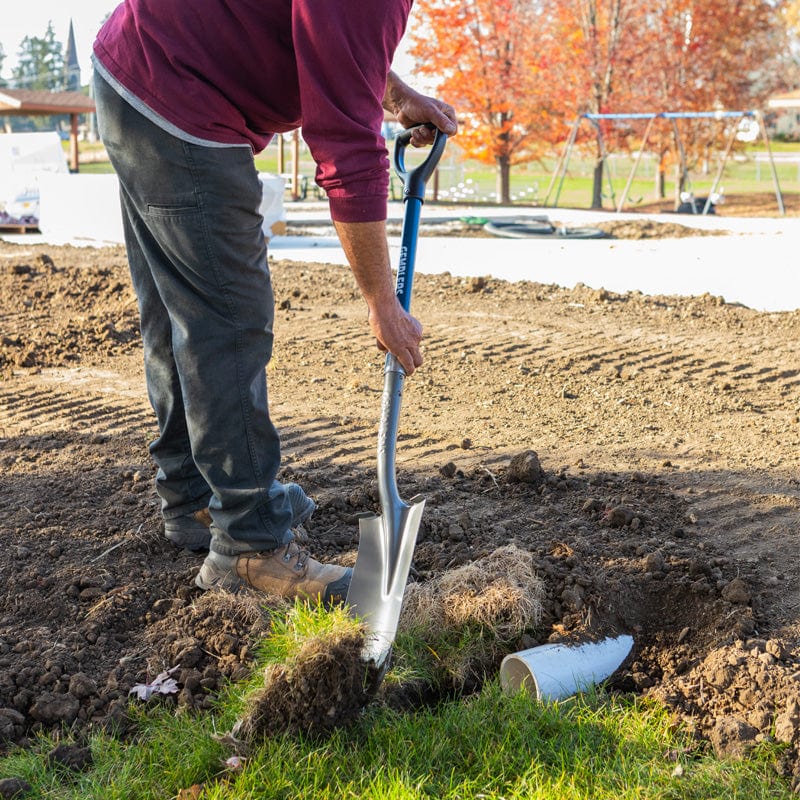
(52, 708)
(14, 788)
(71, 756)
(732, 737)
(526, 468)
(323, 687)
(737, 592)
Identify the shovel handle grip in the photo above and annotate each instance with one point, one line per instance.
(414, 180)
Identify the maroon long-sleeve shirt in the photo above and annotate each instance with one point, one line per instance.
(239, 71)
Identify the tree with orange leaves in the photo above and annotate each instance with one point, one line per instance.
(792, 16)
(488, 58)
(603, 50)
(518, 69)
(708, 55)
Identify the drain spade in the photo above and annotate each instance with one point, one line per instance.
(387, 540)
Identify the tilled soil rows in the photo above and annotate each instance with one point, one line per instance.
(642, 449)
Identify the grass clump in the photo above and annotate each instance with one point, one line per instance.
(314, 679)
(500, 592)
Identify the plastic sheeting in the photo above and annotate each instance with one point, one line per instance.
(85, 209)
(24, 157)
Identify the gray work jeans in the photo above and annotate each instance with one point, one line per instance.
(198, 261)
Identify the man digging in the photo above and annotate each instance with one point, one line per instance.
(186, 93)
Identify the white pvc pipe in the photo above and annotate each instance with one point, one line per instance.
(555, 671)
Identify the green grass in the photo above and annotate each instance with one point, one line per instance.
(489, 745)
(469, 181)
(495, 746)
(96, 168)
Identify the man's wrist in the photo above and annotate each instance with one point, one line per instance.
(396, 92)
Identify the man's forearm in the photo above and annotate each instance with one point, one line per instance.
(392, 96)
(367, 251)
(395, 330)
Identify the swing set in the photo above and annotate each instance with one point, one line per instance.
(748, 126)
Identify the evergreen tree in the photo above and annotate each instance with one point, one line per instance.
(40, 63)
(40, 66)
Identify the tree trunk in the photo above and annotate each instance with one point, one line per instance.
(503, 180)
(680, 185)
(661, 178)
(597, 184)
(660, 184)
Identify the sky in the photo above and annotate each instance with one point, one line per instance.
(32, 16)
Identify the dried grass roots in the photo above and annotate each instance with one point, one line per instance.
(501, 593)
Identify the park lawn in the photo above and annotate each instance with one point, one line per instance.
(533, 184)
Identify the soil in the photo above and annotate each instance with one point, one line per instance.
(642, 449)
(474, 227)
(745, 204)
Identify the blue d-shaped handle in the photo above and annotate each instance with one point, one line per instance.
(414, 180)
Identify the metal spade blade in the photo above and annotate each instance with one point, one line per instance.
(385, 550)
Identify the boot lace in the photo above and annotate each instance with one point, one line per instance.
(300, 554)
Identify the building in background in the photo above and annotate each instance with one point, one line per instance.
(783, 116)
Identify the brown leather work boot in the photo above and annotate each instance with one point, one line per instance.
(289, 571)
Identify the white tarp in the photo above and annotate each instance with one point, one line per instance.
(23, 158)
(272, 208)
(77, 208)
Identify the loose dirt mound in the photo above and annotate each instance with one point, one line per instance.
(654, 486)
(473, 227)
(750, 204)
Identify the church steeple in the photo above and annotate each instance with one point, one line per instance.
(72, 70)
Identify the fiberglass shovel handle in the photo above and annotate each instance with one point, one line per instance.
(414, 181)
